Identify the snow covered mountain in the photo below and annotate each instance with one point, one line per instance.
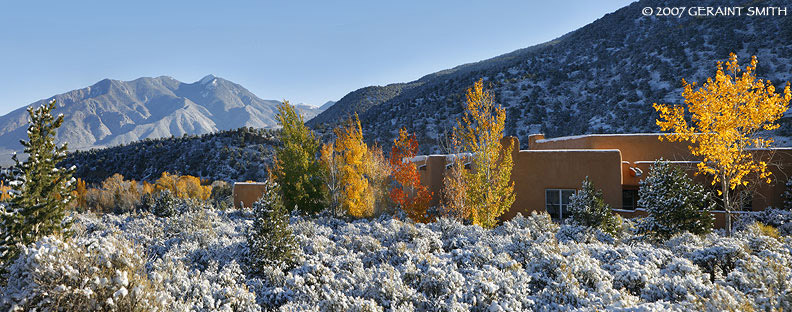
(113, 112)
(601, 78)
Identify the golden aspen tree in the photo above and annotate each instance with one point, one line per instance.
(378, 173)
(490, 192)
(332, 177)
(4, 192)
(726, 115)
(408, 193)
(455, 190)
(79, 194)
(353, 153)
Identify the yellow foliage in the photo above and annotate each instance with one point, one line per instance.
(355, 198)
(4, 192)
(489, 191)
(79, 194)
(183, 186)
(332, 177)
(726, 115)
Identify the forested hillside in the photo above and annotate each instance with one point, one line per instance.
(233, 155)
(601, 78)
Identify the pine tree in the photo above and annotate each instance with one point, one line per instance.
(674, 203)
(490, 191)
(589, 209)
(787, 195)
(270, 239)
(296, 168)
(42, 190)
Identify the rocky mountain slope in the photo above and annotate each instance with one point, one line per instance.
(113, 112)
(601, 78)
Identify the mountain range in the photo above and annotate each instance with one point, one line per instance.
(113, 112)
(601, 78)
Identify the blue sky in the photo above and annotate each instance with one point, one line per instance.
(308, 52)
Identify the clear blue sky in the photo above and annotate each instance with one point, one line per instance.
(308, 52)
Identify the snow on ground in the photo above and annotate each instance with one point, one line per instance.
(196, 261)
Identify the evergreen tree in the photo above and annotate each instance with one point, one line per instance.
(589, 209)
(674, 203)
(42, 190)
(270, 239)
(297, 170)
(787, 195)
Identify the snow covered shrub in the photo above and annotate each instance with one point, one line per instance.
(674, 203)
(84, 274)
(587, 208)
(161, 204)
(777, 218)
(222, 195)
(214, 289)
(270, 239)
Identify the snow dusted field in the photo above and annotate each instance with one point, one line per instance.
(195, 260)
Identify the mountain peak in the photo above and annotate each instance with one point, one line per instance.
(207, 79)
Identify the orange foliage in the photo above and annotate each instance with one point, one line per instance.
(409, 193)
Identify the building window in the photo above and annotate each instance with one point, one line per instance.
(557, 202)
(629, 199)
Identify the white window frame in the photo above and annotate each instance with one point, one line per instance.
(561, 205)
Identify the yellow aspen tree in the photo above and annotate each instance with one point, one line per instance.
(726, 115)
(378, 174)
(490, 191)
(455, 190)
(356, 199)
(332, 177)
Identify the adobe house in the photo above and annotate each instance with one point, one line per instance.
(551, 170)
(245, 194)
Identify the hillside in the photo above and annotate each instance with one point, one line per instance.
(601, 78)
(113, 112)
(231, 155)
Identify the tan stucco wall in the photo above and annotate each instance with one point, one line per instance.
(633, 147)
(247, 193)
(535, 171)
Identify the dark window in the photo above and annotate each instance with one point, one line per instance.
(557, 202)
(629, 199)
(747, 202)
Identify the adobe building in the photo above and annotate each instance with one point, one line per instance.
(551, 170)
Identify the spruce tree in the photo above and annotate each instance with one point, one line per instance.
(42, 190)
(589, 209)
(271, 241)
(297, 169)
(674, 203)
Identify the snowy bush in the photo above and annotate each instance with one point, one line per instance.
(196, 260)
(102, 273)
